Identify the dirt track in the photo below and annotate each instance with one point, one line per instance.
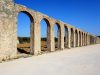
(75, 61)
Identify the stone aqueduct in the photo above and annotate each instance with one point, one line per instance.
(74, 37)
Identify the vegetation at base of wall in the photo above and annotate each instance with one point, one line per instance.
(24, 40)
(27, 39)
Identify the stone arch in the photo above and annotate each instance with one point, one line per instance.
(28, 14)
(72, 37)
(76, 38)
(66, 36)
(31, 45)
(46, 41)
(58, 38)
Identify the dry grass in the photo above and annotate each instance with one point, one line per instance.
(26, 46)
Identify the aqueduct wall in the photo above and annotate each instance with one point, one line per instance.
(74, 37)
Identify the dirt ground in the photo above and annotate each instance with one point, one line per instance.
(76, 61)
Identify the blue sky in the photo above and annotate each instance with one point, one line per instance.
(83, 14)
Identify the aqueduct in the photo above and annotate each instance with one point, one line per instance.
(70, 38)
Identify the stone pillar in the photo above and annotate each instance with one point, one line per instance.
(37, 36)
(78, 39)
(84, 39)
(74, 40)
(81, 39)
(87, 39)
(32, 38)
(62, 36)
(52, 42)
(69, 37)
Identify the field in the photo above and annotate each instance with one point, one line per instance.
(26, 46)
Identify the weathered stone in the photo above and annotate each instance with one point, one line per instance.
(8, 31)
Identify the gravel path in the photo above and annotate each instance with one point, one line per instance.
(76, 61)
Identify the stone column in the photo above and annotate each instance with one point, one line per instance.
(69, 37)
(78, 39)
(74, 40)
(62, 36)
(84, 40)
(37, 36)
(52, 43)
(32, 38)
(81, 39)
(87, 39)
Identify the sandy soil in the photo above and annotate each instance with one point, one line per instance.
(75, 61)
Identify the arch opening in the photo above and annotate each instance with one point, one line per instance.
(24, 35)
(72, 37)
(86, 39)
(45, 35)
(76, 38)
(57, 36)
(65, 37)
(82, 39)
(79, 38)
